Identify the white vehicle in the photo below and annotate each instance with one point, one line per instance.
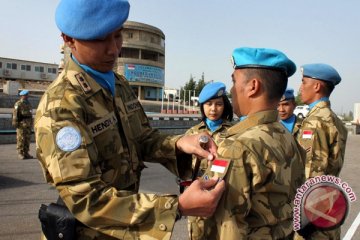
(195, 101)
(301, 111)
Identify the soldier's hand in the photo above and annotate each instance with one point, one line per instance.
(190, 144)
(201, 197)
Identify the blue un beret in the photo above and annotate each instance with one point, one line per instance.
(322, 72)
(24, 92)
(288, 94)
(91, 19)
(263, 58)
(212, 90)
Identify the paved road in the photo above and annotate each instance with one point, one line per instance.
(22, 190)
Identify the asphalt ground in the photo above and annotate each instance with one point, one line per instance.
(22, 190)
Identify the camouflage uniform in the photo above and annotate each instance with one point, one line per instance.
(99, 180)
(297, 125)
(265, 169)
(196, 224)
(323, 136)
(22, 120)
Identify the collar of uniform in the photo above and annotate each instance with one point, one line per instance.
(225, 123)
(253, 120)
(319, 105)
(73, 69)
(199, 126)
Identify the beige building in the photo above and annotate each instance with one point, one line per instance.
(142, 59)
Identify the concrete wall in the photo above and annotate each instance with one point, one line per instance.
(167, 125)
(7, 101)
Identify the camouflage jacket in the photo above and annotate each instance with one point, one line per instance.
(265, 168)
(297, 125)
(22, 114)
(323, 135)
(201, 127)
(91, 147)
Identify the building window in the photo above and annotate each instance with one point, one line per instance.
(130, 35)
(26, 68)
(11, 66)
(149, 55)
(52, 70)
(129, 53)
(0, 64)
(39, 69)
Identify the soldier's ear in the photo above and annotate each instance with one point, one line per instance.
(69, 41)
(253, 87)
(317, 86)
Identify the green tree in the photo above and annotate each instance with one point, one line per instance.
(190, 85)
(298, 99)
(200, 85)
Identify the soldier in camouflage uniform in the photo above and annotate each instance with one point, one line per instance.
(216, 114)
(322, 134)
(259, 159)
(92, 137)
(22, 120)
(286, 109)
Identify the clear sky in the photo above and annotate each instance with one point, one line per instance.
(200, 36)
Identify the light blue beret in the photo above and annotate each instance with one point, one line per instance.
(288, 94)
(263, 58)
(322, 72)
(24, 92)
(212, 90)
(91, 19)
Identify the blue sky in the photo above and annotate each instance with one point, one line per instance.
(200, 36)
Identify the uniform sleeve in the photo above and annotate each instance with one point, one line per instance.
(14, 121)
(324, 150)
(328, 151)
(235, 204)
(71, 165)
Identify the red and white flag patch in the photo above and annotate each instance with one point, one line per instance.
(219, 166)
(307, 134)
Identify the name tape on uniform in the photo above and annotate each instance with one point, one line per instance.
(103, 124)
(133, 106)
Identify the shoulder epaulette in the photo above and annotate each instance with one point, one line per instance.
(83, 82)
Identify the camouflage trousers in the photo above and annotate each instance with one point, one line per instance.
(196, 228)
(322, 235)
(23, 136)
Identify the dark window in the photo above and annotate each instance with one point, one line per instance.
(149, 55)
(39, 69)
(11, 66)
(129, 53)
(26, 68)
(52, 70)
(0, 64)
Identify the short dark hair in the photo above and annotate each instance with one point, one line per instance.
(328, 88)
(273, 81)
(227, 113)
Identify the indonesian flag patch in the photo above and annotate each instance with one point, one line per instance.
(219, 166)
(307, 134)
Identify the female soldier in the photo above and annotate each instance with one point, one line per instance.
(217, 114)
